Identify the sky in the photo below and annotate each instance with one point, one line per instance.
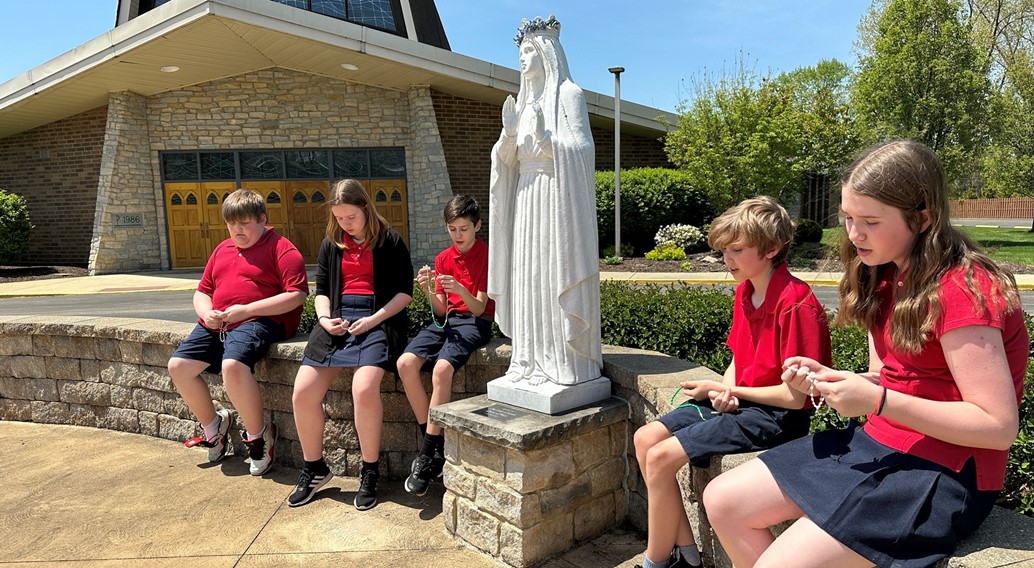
(664, 45)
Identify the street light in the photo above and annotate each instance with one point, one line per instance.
(617, 71)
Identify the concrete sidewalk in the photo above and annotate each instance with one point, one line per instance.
(103, 498)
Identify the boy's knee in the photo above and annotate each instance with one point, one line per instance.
(409, 362)
(442, 375)
(233, 368)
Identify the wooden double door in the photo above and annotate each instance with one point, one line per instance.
(296, 209)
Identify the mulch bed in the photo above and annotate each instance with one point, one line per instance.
(21, 273)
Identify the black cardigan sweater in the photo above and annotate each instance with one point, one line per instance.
(392, 273)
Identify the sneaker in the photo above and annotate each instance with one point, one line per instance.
(261, 450)
(216, 448)
(366, 497)
(308, 484)
(420, 475)
(678, 561)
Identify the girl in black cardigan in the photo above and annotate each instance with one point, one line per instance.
(364, 279)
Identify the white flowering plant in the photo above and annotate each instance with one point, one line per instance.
(682, 236)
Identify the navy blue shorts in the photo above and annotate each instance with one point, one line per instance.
(463, 334)
(368, 349)
(247, 343)
(704, 433)
(892, 508)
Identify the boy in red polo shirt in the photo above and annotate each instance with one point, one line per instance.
(250, 296)
(775, 315)
(462, 323)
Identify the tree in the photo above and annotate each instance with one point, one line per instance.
(737, 138)
(921, 77)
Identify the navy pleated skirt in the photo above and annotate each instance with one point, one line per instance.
(890, 507)
(368, 349)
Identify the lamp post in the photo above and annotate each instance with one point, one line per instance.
(617, 71)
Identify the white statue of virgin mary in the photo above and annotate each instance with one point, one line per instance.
(543, 268)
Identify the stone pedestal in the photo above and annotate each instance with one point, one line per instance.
(549, 397)
(522, 486)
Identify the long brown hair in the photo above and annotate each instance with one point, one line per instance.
(908, 176)
(351, 192)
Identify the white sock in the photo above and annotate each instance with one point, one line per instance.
(251, 437)
(690, 553)
(647, 563)
(212, 428)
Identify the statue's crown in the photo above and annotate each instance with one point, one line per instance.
(537, 26)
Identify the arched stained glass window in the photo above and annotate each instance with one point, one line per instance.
(396, 196)
(213, 199)
(176, 199)
(381, 196)
(318, 197)
(191, 199)
(299, 197)
(273, 197)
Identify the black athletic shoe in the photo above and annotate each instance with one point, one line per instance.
(420, 475)
(678, 561)
(308, 484)
(366, 497)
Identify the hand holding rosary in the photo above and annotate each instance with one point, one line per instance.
(430, 276)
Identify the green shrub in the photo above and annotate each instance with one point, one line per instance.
(613, 260)
(807, 231)
(681, 321)
(627, 250)
(667, 251)
(14, 227)
(650, 198)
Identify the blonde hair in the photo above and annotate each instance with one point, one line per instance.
(243, 205)
(908, 176)
(757, 222)
(351, 192)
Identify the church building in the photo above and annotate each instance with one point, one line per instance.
(126, 146)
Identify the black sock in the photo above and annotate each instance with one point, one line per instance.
(431, 442)
(423, 427)
(375, 466)
(319, 467)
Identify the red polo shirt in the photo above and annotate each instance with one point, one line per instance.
(790, 322)
(241, 276)
(470, 270)
(926, 374)
(356, 269)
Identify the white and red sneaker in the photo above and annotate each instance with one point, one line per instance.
(261, 449)
(218, 447)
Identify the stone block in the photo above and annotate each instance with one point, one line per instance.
(116, 373)
(75, 346)
(497, 499)
(23, 367)
(121, 397)
(532, 471)
(398, 436)
(121, 419)
(594, 518)
(590, 449)
(50, 412)
(460, 481)
(608, 476)
(340, 434)
(148, 423)
(43, 345)
(176, 406)
(338, 404)
(566, 498)
(452, 446)
(277, 397)
(107, 349)
(621, 440)
(82, 415)
(149, 400)
(156, 354)
(397, 409)
(79, 392)
(483, 458)
(477, 528)
(173, 428)
(530, 546)
(448, 510)
(28, 389)
(62, 368)
(277, 371)
(15, 344)
(132, 352)
(90, 370)
(15, 410)
(154, 378)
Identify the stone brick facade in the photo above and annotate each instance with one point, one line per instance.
(56, 169)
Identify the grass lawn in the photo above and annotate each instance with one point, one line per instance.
(1012, 245)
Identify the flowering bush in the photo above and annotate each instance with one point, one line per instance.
(666, 251)
(682, 236)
